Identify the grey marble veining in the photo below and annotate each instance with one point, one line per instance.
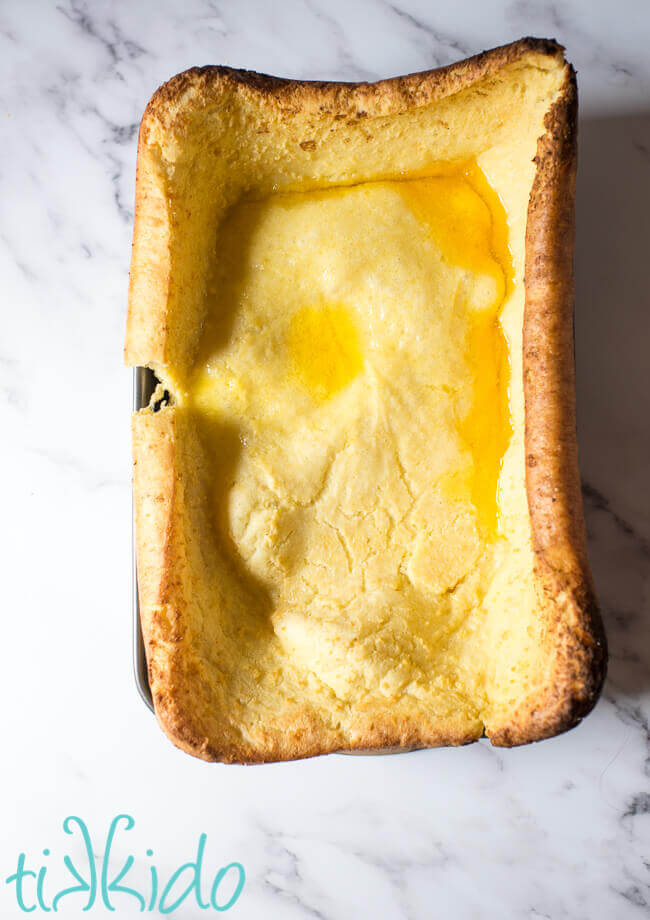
(558, 830)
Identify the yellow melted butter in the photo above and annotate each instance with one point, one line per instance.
(319, 350)
(467, 222)
(323, 348)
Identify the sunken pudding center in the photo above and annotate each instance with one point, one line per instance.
(352, 389)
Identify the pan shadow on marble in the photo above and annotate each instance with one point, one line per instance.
(613, 382)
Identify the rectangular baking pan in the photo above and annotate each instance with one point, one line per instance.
(144, 383)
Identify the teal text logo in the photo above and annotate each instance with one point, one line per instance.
(97, 879)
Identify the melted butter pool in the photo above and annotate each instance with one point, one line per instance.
(324, 349)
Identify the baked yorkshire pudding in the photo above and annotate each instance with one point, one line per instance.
(358, 512)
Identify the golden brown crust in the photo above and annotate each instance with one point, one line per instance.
(575, 639)
(148, 278)
(182, 701)
(160, 571)
(385, 97)
(575, 632)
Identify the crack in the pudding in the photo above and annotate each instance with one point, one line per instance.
(342, 543)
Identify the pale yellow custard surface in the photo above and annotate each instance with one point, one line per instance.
(351, 391)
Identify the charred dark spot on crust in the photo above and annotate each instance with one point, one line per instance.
(531, 460)
(308, 145)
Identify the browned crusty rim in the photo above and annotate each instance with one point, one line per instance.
(383, 97)
(552, 474)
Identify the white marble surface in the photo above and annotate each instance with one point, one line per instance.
(556, 830)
